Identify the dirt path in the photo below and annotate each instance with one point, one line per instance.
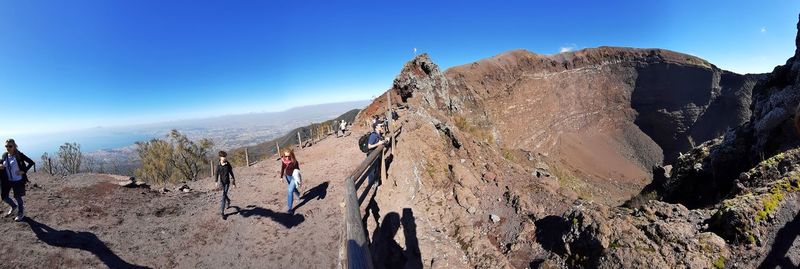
(84, 221)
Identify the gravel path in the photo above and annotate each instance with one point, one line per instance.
(87, 221)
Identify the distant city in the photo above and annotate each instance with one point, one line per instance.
(115, 146)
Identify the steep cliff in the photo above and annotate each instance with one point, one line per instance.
(491, 155)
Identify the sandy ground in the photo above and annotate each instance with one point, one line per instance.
(84, 221)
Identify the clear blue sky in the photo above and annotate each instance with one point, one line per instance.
(79, 64)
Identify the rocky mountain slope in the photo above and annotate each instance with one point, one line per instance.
(520, 161)
(597, 117)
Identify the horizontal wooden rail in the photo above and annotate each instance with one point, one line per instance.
(356, 242)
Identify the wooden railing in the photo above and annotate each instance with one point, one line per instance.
(356, 240)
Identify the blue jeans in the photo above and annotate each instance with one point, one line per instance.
(225, 198)
(18, 205)
(373, 172)
(292, 190)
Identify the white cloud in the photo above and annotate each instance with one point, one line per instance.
(763, 29)
(567, 48)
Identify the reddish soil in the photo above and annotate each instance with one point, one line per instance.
(86, 220)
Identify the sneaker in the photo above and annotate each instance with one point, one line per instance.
(11, 211)
(224, 217)
(19, 218)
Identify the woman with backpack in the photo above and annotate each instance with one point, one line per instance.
(15, 165)
(224, 179)
(290, 171)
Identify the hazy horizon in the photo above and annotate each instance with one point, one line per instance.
(255, 127)
(80, 64)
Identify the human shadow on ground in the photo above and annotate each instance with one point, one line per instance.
(79, 240)
(285, 219)
(387, 253)
(319, 192)
(784, 240)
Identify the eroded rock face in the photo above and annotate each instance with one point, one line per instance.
(749, 177)
(493, 155)
(769, 131)
(607, 114)
(656, 235)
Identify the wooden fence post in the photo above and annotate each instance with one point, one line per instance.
(278, 148)
(299, 141)
(383, 166)
(246, 157)
(211, 164)
(389, 118)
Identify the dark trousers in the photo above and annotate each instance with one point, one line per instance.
(225, 199)
(18, 187)
(373, 173)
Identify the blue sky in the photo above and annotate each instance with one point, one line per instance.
(78, 64)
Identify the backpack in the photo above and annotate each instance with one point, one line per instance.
(363, 142)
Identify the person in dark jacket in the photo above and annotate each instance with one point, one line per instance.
(374, 141)
(15, 165)
(224, 179)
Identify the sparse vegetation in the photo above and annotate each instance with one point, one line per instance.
(175, 160)
(641, 199)
(508, 155)
(479, 133)
(48, 165)
(189, 155)
(719, 263)
(70, 158)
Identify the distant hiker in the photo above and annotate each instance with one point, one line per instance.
(224, 179)
(342, 126)
(375, 140)
(290, 172)
(15, 166)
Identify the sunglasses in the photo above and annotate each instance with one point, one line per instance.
(9, 146)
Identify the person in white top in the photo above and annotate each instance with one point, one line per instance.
(343, 126)
(14, 166)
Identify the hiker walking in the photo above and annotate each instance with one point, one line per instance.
(15, 166)
(375, 139)
(290, 172)
(224, 179)
(343, 126)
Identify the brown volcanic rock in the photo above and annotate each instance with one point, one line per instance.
(769, 132)
(477, 141)
(608, 114)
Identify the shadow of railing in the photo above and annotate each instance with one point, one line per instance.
(356, 240)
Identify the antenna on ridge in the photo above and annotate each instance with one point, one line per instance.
(415, 51)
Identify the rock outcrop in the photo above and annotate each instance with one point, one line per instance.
(749, 177)
(491, 155)
(607, 114)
